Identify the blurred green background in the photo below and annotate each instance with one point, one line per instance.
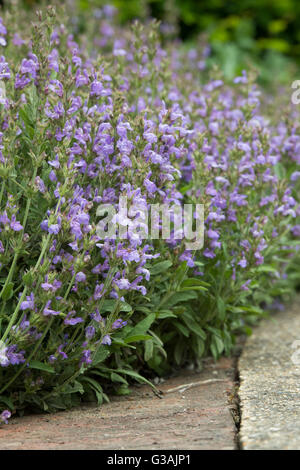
(264, 33)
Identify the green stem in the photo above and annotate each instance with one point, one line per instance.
(42, 337)
(14, 315)
(107, 330)
(108, 279)
(29, 359)
(2, 192)
(15, 259)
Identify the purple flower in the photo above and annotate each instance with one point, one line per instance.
(15, 225)
(52, 359)
(119, 323)
(54, 229)
(106, 340)
(96, 88)
(295, 176)
(123, 284)
(86, 357)
(80, 277)
(4, 68)
(296, 230)
(243, 263)
(14, 357)
(212, 234)
(90, 332)
(44, 225)
(28, 303)
(150, 186)
(17, 40)
(5, 415)
(61, 352)
(56, 87)
(72, 321)
(4, 220)
(47, 311)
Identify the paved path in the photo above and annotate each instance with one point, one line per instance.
(198, 418)
(270, 384)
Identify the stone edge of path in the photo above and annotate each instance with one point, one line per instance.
(269, 392)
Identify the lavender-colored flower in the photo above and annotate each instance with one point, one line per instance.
(48, 311)
(52, 359)
(119, 323)
(80, 277)
(28, 303)
(15, 225)
(295, 176)
(61, 352)
(90, 332)
(5, 415)
(86, 357)
(106, 340)
(15, 357)
(54, 229)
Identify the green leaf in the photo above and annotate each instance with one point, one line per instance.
(101, 354)
(185, 289)
(182, 328)
(136, 376)
(28, 278)
(92, 383)
(265, 268)
(180, 297)
(75, 387)
(133, 339)
(118, 378)
(110, 305)
(160, 267)
(7, 401)
(7, 292)
(193, 281)
(165, 314)
(119, 342)
(41, 366)
(217, 346)
(123, 390)
(99, 396)
(180, 272)
(198, 346)
(195, 328)
(179, 352)
(148, 350)
(221, 308)
(142, 327)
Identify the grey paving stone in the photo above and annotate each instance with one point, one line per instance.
(270, 384)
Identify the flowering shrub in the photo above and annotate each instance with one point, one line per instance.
(86, 121)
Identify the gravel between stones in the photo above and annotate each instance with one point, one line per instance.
(270, 384)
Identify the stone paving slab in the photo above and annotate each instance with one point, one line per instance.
(198, 418)
(270, 384)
